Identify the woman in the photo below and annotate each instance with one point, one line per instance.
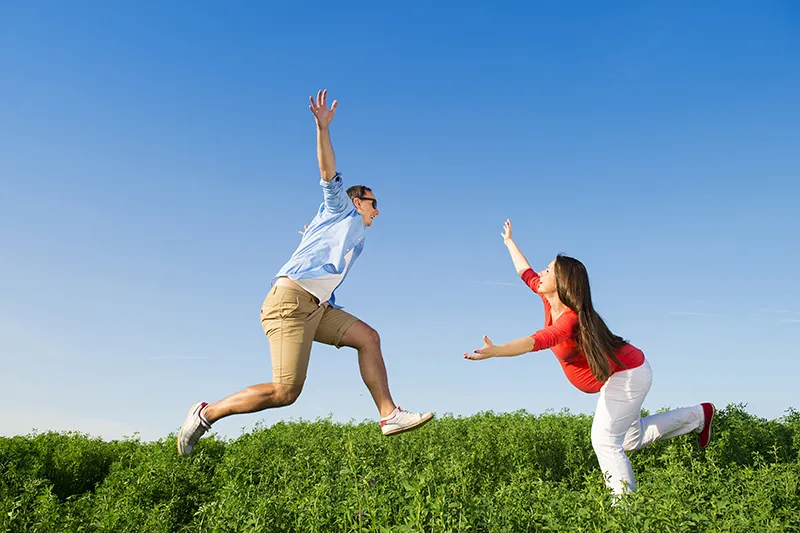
(596, 360)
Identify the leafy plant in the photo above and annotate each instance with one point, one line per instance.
(485, 473)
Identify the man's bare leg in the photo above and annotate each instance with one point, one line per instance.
(253, 399)
(370, 361)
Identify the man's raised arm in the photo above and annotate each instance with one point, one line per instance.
(324, 116)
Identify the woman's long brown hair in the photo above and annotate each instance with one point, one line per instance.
(594, 338)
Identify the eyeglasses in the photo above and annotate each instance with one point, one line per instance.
(373, 200)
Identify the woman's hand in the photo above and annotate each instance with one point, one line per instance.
(488, 350)
(506, 231)
(517, 347)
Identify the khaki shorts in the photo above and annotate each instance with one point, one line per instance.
(292, 319)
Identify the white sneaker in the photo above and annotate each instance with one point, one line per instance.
(400, 421)
(192, 429)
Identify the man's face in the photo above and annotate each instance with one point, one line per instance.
(367, 207)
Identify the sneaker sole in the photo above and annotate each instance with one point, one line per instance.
(421, 422)
(180, 431)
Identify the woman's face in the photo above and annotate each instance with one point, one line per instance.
(547, 279)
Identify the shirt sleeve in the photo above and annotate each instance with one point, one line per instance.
(531, 279)
(334, 194)
(560, 331)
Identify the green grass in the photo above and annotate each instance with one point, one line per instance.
(489, 472)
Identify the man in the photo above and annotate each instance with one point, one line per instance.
(300, 308)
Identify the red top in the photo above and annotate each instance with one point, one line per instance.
(559, 336)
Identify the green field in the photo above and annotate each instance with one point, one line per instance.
(489, 472)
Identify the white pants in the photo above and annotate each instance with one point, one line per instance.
(618, 426)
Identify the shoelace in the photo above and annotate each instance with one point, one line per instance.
(395, 415)
(407, 415)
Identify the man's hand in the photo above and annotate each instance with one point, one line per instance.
(319, 108)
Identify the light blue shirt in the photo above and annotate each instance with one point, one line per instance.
(330, 245)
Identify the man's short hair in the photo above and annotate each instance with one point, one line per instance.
(357, 190)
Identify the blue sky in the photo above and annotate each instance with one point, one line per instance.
(156, 162)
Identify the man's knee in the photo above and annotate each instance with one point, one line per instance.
(361, 336)
(372, 338)
(287, 394)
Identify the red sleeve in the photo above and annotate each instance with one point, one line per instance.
(531, 279)
(561, 330)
